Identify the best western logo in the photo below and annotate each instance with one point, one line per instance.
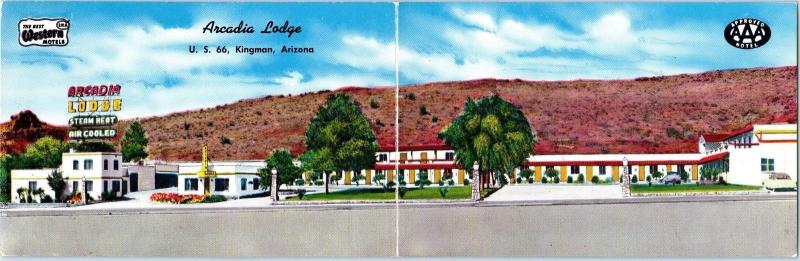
(44, 32)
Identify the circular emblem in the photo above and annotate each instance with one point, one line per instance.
(747, 33)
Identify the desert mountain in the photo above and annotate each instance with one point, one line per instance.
(664, 114)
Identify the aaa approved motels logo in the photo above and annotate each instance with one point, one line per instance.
(44, 32)
(747, 33)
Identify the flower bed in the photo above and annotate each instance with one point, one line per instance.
(176, 198)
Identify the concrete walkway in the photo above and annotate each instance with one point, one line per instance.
(531, 192)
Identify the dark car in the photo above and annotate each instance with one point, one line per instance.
(672, 177)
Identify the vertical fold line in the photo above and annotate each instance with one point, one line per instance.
(396, 126)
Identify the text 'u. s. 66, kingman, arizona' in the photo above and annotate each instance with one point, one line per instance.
(271, 27)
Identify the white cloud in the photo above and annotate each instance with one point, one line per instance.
(156, 71)
(481, 20)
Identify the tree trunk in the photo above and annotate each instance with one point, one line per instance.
(327, 180)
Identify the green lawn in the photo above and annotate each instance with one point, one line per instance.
(661, 188)
(432, 192)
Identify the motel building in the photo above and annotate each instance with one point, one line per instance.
(232, 179)
(742, 155)
(91, 173)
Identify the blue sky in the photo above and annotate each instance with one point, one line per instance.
(143, 46)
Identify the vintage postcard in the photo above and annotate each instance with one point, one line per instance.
(398, 129)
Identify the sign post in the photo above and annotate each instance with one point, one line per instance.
(626, 178)
(476, 183)
(273, 189)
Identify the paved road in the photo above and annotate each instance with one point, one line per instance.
(555, 192)
(750, 228)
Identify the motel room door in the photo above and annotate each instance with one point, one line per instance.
(134, 177)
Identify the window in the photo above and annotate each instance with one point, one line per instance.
(767, 164)
(105, 185)
(574, 169)
(255, 183)
(116, 164)
(190, 184)
(105, 164)
(115, 186)
(221, 184)
(75, 164)
(450, 155)
(31, 186)
(602, 170)
(653, 169)
(74, 186)
(89, 186)
(87, 164)
(383, 157)
(243, 184)
(681, 169)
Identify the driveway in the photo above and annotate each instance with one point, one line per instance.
(555, 192)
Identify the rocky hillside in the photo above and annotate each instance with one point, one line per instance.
(656, 115)
(24, 128)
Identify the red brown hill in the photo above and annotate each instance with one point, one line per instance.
(645, 115)
(24, 128)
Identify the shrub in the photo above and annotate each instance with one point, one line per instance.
(501, 178)
(423, 110)
(214, 199)
(443, 191)
(569, 179)
(544, 180)
(390, 184)
(402, 191)
(435, 119)
(319, 182)
(335, 178)
(722, 181)
(373, 104)
(595, 179)
(441, 182)
(526, 173)
(519, 180)
(422, 180)
(556, 179)
(551, 173)
(224, 140)
(47, 199)
(684, 175)
(299, 182)
(634, 179)
(75, 198)
(411, 96)
(450, 182)
(530, 180)
(581, 178)
(466, 182)
(301, 193)
(357, 178)
(657, 175)
(649, 179)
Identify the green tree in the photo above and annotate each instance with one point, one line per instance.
(492, 133)
(56, 182)
(92, 146)
(134, 143)
(340, 138)
(46, 152)
(283, 162)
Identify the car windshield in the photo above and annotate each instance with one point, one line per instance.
(780, 176)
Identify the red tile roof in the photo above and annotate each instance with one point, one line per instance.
(718, 137)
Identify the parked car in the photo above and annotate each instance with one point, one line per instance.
(672, 177)
(778, 180)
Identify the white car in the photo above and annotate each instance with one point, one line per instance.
(779, 180)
